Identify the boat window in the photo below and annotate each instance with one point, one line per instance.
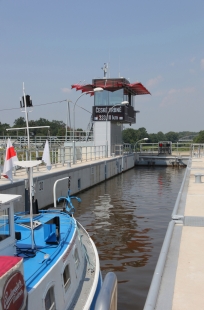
(66, 278)
(76, 257)
(4, 224)
(50, 299)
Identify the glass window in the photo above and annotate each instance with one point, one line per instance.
(66, 278)
(50, 299)
(4, 224)
(107, 98)
(76, 257)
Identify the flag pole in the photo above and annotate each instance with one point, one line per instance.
(26, 117)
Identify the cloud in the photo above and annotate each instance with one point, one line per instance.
(175, 96)
(172, 64)
(155, 81)
(66, 90)
(192, 59)
(202, 64)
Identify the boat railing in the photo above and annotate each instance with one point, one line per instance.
(107, 298)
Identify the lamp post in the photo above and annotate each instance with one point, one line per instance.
(97, 89)
(122, 103)
(145, 139)
(68, 101)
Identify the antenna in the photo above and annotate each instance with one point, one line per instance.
(109, 64)
(105, 69)
(119, 66)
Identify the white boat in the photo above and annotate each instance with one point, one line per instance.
(47, 259)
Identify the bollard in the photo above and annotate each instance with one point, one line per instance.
(198, 177)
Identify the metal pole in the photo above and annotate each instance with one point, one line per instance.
(74, 113)
(26, 117)
(67, 119)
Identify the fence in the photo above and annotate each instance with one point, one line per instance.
(38, 141)
(59, 156)
(179, 148)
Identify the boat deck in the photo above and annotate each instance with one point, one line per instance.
(37, 262)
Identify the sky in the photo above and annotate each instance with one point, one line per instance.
(49, 45)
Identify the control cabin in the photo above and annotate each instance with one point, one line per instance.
(110, 112)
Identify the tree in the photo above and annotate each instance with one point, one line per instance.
(199, 138)
(3, 128)
(172, 136)
(129, 135)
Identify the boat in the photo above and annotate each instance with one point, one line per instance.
(48, 260)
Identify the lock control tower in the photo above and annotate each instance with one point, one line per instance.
(113, 106)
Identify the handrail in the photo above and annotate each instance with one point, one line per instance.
(107, 298)
(54, 189)
(156, 280)
(175, 209)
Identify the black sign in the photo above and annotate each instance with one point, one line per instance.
(123, 114)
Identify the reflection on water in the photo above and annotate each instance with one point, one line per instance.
(127, 218)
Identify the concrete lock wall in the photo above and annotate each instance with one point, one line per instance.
(82, 177)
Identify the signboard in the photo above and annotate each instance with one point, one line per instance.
(121, 114)
(13, 292)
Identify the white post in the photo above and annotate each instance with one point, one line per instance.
(30, 175)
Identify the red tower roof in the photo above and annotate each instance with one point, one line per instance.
(113, 85)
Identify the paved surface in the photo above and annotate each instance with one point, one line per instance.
(21, 174)
(189, 281)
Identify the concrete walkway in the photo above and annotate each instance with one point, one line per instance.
(178, 280)
(189, 281)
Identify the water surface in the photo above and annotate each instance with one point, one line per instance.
(127, 217)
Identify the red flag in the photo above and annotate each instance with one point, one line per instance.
(9, 161)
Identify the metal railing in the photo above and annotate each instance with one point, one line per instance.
(59, 156)
(152, 295)
(107, 298)
(21, 141)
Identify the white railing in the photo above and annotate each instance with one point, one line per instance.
(20, 141)
(60, 156)
(179, 148)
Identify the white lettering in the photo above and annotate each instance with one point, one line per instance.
(115, 110)
(101, 110)
(12, 294)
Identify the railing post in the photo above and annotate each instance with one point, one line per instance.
(63, 156)
(73, 150)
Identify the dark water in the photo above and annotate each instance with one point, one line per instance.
(127, 218)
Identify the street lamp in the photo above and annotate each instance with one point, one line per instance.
(68, 101)
(97, 89)
(122, 103)
(145, 139)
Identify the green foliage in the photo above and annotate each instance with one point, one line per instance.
(172, 136)
(3, 129)
(133, 135)
(57, 128)
(199, 138)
